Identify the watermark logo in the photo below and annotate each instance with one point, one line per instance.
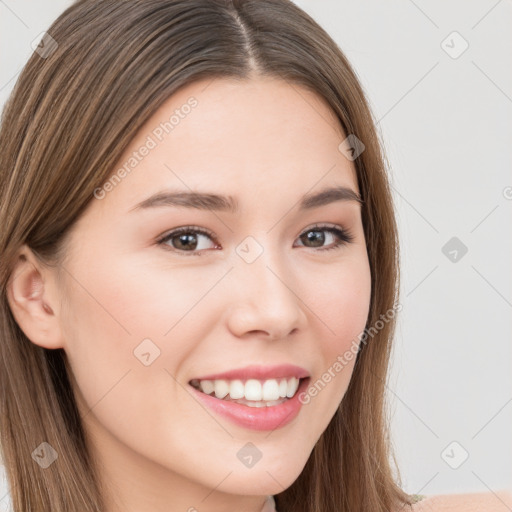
(44, 45)
(454, 249)
(45, 455)
(351, 147)
(146, 352)
(454, 45)
(455, 455)
(249, 455)
(344, 359)
(249, 249)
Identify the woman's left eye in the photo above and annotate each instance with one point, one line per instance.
(186, 239)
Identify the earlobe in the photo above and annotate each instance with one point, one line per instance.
(30, 302)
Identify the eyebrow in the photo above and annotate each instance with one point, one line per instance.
(210, 201)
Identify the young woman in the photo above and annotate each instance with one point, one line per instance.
(198, 265)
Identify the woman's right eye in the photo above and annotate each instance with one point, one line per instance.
(185, 240)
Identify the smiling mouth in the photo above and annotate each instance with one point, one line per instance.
(250, 392)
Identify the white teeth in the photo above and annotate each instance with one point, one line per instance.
(207, 386)
(270, 390)
(236, 389)
(221, 388)
(293, 384)
(253, 390)
(283, 386)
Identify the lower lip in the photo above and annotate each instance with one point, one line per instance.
(256, 418)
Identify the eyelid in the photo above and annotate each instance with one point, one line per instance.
(189, 227)
(185, 229)
(326, 225)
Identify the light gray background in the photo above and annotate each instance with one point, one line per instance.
(445, 123)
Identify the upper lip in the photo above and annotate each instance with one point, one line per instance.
(259, 372)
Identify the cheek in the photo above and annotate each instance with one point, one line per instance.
(132, 298)
(134, 324)
(107, 328)
(112, 307)
(151, 298)
(340, 300)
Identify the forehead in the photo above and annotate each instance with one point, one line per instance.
(243, 138)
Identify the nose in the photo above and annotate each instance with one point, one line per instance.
(266, 300)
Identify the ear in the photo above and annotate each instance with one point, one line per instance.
(33, 300)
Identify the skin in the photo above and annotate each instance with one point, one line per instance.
(495, 501)
(267, 144)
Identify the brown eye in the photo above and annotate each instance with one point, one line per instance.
(186, 239)
(317, 238)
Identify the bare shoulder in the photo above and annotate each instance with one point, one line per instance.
(498, 501)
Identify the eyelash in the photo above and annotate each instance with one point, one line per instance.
(344, 235)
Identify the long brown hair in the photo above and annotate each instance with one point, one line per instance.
(75, 108)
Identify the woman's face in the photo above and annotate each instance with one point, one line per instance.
(250, 290)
